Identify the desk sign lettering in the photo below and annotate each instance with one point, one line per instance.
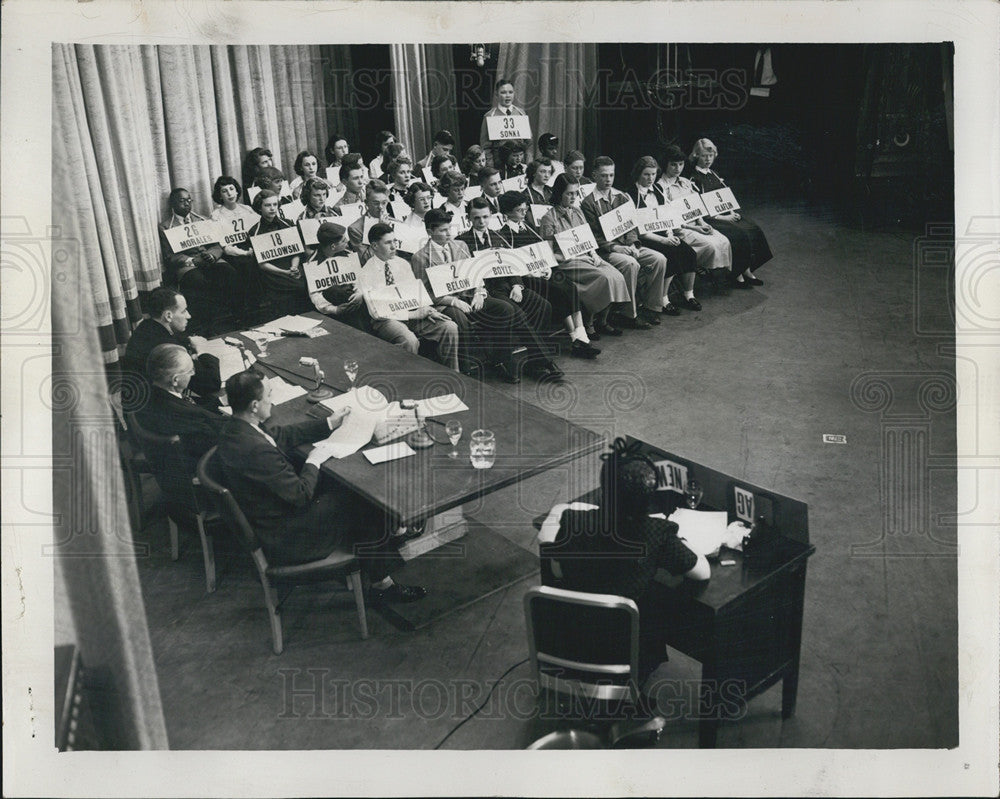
(340, 271)
(453, 277)
(720, 201)
(396, 301)
(193, 234)
(279, 244)
(235, 229)
(618, 221)
(516, 183)
(686, 209)
(536, 257)
(656, 219)
(673, 476)
(832, 438)
(744, 504)
(576, 241)
(505, 128)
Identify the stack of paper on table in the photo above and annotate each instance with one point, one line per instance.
(703, 531)
(292, 324)
(368, 407)
(230, 360)
(282, 391)
(439, 406)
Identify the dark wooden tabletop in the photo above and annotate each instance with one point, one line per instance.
(529, 440)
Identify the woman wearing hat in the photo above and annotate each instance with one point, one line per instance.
(750, 247)
(345, 302)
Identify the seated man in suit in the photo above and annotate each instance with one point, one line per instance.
(502, 326)
(492, 186)
(169, 412)
(376, 203)
(644, 269)
(296, 520)
(385, 268)
(168, 319)
(201, 270)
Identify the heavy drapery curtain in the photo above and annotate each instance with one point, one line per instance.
(423, 86)
(556, 85)
(132, 122)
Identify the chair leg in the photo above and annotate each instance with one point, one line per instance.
(354, 582)
(208, 554)
(273, 615)
(175, 548)
(133, 491)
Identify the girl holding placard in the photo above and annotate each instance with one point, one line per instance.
(510, 159)
(750, 247)
(334, 153)
(236, 219)
(281, 274)
(599, 284)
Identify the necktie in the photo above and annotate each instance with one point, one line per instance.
(508, 112)
(389, 279)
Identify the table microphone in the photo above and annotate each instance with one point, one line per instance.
(319, 392)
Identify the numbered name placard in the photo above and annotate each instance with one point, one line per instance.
(429, 178)
(576, 241)
(618, 221)
(234, 230)
(308, 228)
(686, 209)
(278, 244)
(396, 301)
(471, 192)
(743, 504)
(351, 212)
(557, 170)
(673, 476)
(400, 210)
(333, 175)
(536, 257)
(292, 210)
(720, 201)
(453, 277)
(516, 183)
(506, 128)
(655, 219)
(410, 237)
(538, 210)
(341, 270)
(495, 222)
(194, 234)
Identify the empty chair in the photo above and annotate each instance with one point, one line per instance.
(338, 565)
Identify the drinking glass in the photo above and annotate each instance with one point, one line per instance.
(454, 431)
(351, 370)
(482, 449)
(262, 349)
(693, 493)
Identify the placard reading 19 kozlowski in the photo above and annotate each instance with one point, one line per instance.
(507, 128)
(342, 270)
(277, 244)
(193, 234)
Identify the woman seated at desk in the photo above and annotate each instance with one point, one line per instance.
(616, 548)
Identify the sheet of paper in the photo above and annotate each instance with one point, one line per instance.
(299, 324)
(439, 406)
(389, 452)
(703, 531)
(282, 392)
(230, 360)
(368, 407)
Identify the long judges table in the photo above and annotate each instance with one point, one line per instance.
(529, 440)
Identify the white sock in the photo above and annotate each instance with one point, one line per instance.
(384, 583)
(689, 294)
(581, 335)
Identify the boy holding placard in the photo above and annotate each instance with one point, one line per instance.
(611, 215)
(401, 311)
(331, 277)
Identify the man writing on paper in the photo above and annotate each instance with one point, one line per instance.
(168, 319)
(385, 268)
(295, 518)
(644, 269)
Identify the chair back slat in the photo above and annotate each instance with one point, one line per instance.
(209, 475)
(171, 467)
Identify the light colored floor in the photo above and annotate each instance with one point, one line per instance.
(749, 386)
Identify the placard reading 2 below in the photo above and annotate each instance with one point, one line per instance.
(278, 244)
(339, 271)
(576, 241)
(452, 277)
(505, 128)
(673, 476)
(193, 234)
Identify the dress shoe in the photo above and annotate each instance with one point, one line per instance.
(473, 371)
(754, 281)
(692, 304)
(543, 370)
(632, 323)
(743, 285)
(397, 593)
(651, 317)
(593, 335)
(671, 310)
(607, 330)
(507, 374)
(581, 349)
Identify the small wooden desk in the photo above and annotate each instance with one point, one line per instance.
(529, 440)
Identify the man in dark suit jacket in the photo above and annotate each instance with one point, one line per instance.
(168, 319)
(169, 413)
(295, 522)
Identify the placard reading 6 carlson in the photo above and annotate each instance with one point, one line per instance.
(277, 244)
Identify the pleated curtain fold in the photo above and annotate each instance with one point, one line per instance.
(423, 86)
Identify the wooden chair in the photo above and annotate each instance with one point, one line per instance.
(173, 473)
(133, 462)
(586, 646)
(339, 564)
